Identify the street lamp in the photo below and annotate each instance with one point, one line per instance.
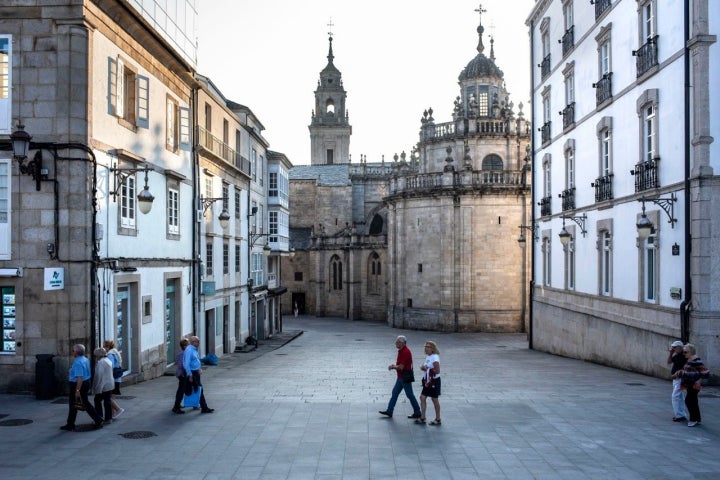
(532, 228)
(145, 198)
(20, 142)
(644, 225)
(224, 216)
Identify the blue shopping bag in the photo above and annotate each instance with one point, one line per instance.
(192, 400)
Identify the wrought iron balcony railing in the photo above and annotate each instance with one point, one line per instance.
(646, 175)
(222, 150)
(646, 57)
(603, 88)
(600, 7)
(545, 134)
(545, 204)
(568, 199)
(603, 188)
(545, 66)
(568, 114)
(568, 40)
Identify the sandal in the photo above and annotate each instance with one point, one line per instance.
(436, 422)
(420, 421)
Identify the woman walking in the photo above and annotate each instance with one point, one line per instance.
(430, 382)
(116, 359)
(691, 375)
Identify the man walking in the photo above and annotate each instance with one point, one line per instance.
(193, 369)
(402, 363)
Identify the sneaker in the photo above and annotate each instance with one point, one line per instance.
(415, 415)
(386, 413)
(177, 410)
(122, 410)
(692, 424)
(207, 410)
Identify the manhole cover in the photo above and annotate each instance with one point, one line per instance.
(635, 384)
(138, 434)
(15, 422)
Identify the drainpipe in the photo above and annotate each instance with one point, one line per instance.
(195, 264)
(686, 304)
(532, 191)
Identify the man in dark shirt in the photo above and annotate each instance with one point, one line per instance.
(677, 359)
(403, 362)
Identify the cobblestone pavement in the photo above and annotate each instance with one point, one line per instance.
(304, 405)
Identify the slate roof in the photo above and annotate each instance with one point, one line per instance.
(328, 175)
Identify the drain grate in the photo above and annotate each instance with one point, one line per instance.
(138, 434)
(15, 422)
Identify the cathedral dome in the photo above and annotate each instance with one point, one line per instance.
(480, 66)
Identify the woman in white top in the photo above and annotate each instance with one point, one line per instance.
(430, 382)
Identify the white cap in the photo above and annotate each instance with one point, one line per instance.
(676, 343)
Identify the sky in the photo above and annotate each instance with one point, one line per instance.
(397, 59)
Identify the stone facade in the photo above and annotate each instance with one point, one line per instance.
(425, 241)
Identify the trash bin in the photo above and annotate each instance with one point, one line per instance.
(45, 382)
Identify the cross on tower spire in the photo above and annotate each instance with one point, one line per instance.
(330, 38)
(480, 29)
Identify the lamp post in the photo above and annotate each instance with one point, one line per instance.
(224, 216)
(145, 198)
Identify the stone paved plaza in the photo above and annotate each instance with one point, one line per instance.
(305, 406)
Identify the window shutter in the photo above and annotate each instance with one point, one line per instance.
(143, 96)
(184, 128)
(112, 87)
(120, 91)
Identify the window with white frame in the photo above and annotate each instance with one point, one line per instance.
(546, 260)
(570, 86)
(6, 84)
(261, 169)
(260, 220)
(605, 152)
(272, 184)
(604, 56)
(570, 165)
(647, 19)
(570, 261)
(647, 106)
(257, 261)
(254, 222)
(226, 197)
(568, 14)
(273, 226)
(209, 259)
(547, 176)
(129, 94)
(650, 268)
(605, 259)
(173, 207)
(5, 209)
(226, 258)
(126, 203)
(172, 125)
(253, 164)
(208, 186)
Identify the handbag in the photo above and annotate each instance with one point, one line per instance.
(192, 400)
(118, 372)
(79, 405)
(408, 376)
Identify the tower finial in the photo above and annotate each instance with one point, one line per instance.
(480, 29)
(492, 49)
(330, 56)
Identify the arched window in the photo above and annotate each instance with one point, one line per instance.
(492, 162)
(376, 225)
(330, 107)
(374, 274)
(336, 273)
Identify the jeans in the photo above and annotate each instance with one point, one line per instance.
(400, 386)
(678, 399)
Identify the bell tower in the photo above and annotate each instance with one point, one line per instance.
(330, 129)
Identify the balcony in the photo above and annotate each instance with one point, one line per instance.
(568, 199)
(603, 88)
(603, 188)
(568, 114)
(646, 57)
(221, 150)
(600, 7)
(646, 175)
(545, 66)
(545, 133)
(545, 206)
(568, 40)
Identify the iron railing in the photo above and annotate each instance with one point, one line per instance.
(603, 188)
(646, 57)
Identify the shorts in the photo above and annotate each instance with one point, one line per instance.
(432, 392)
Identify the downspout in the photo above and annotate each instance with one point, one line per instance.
(194, 264)
(532, 191)
(686, 304)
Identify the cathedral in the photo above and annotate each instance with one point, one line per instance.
(433, 240)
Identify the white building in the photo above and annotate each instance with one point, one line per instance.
(623, 106)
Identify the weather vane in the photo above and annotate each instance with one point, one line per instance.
(330, 25)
